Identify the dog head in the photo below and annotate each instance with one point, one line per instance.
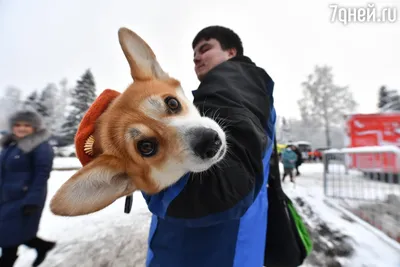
(148, 138)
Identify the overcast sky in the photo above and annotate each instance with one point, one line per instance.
(42, 41)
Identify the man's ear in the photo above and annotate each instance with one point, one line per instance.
(232, 52)
(92, 188)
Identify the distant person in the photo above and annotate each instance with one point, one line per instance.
(289, 159)
(299, 160)
(26, 161)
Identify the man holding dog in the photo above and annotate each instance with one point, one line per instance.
(219, 219)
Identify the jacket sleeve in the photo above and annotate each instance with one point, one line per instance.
(42, 163)
(227, 190)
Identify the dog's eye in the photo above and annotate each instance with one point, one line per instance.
(173, 104)
(147, 148)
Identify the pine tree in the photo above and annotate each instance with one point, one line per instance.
(13, 98)
(9, 103)
(389, 100)
(62, 100)
(383, 97)
(47, 105)
(83, 96)
(286, 133)
(31, 102)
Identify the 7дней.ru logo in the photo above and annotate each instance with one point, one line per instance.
(348, 14)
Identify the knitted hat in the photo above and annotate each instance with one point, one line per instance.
(31, 117)
(84, 139)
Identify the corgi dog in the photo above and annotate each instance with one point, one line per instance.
(147, 138)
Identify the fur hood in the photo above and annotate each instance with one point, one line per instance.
(30, 142)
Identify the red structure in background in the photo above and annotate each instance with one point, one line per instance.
(379, 129)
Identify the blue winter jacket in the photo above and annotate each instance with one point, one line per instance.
(25, 169)
(289, 159)
(221, 220)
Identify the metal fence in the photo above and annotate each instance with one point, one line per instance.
(366, 181)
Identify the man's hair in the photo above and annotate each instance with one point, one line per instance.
(226, 37)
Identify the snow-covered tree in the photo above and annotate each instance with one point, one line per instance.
(12, 98)
(82, 96)
(31, 102)
(383, 96)
(285, 131)
(316, 135)
(60, 113)
(324, 103)
(47, 105)
(389, 100)
(9, 103)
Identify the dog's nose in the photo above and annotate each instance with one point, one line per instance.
(206, 143)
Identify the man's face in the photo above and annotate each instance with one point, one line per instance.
(208, 54)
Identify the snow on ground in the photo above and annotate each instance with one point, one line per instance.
(375, 198)
(107, 238)
(112, 238)
(354, 184)
(62, 163)
(369, 249)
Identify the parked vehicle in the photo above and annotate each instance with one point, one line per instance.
(317, 154)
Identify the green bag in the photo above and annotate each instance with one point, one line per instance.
(301, 228)
(288, 242)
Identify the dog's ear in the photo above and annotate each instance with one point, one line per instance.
(92, 188)
(140, 56)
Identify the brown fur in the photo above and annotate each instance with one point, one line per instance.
(118, 169)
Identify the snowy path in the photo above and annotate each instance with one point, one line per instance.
(108, 238)
(112, 238)
(369, 250)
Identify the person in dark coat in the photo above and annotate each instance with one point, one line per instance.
(26, 162)
(299, 160)
(219, 218)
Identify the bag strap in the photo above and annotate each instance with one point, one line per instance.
(128, 203)
(274, 180)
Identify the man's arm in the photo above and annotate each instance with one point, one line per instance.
(227, 190)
